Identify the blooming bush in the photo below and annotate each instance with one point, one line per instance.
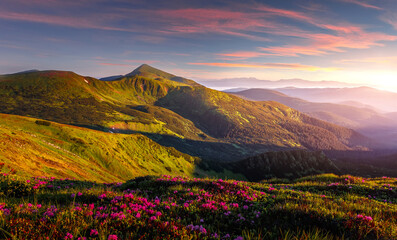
(171, 207)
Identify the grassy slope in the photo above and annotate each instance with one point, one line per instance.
(72, 99)
(66, 151)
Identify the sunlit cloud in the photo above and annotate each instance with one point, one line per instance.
(247, 54)
(242, 38)
(290, 66)
(377, 60)
(319, 44)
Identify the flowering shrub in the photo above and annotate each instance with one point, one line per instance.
(170, 207)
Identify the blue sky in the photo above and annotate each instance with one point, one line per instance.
(343, 40)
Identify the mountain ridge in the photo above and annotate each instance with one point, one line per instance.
(379, 99)
(195, 121)
(258, 83)
(212, 114)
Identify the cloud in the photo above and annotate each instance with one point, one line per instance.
(13, 46)
(288, 66)
(155, 25)
(390, 18)
(325, 43)
(315, 44)
(141, 61)
(376, 60)
(127, 61)
(362, 4)
(114, 64)
(245, 54)
(332, 38)
(69, 21)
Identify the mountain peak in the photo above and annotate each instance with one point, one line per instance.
(147, 70)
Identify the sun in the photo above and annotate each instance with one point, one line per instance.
(386, 81)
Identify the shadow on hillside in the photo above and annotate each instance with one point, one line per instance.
(207, 150)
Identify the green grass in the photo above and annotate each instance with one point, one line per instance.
(66, 151)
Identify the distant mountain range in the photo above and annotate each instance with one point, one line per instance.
(361, 117)
(177, 118)
(382, 100)
(245, 83)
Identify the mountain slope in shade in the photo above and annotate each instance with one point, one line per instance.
(359, 105)
(365, 120)
(285, 164)
(111, 78)
(383, 100)
(172, 111)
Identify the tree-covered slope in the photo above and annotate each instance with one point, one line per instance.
(223, 115)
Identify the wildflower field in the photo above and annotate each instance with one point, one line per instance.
(168, 207)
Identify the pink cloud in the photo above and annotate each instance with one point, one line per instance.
(325, 43)
(245, 54)
(285, 13)
(290, 66)
(341, 36)
(346, 37)
(376, 60)
(250, 23)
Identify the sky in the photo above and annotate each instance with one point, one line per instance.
(341, 40)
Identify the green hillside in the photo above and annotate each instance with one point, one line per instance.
(39, 148)
(172, 111)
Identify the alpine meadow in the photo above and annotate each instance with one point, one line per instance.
(192, 120)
